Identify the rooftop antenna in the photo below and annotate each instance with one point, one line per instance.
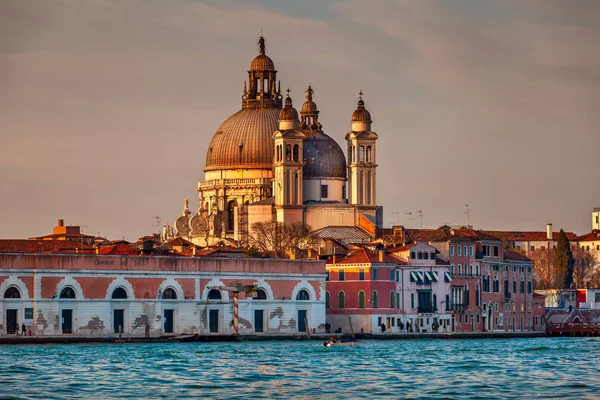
(397, 217)
(421, 217)
(468, 215)
(157, 225)
(410, 217)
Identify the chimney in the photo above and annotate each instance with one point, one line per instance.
(549, 231)
(380, 255)
(61, 222)
(97, 250)
(194, 251)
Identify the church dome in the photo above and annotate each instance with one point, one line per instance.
(288, 113)
(262, 62)
(361, 114)
(323, 157)
(244, 140)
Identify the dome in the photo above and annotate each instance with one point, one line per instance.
(244, 140)
(323, 157)
(288, 113)
(361, 114)
(262, 62)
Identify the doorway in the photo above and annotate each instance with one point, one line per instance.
(258, 321)
(213, 321)
(11, 322)
(67, 322)
(301, 320)
(119, 321)
(168, 321)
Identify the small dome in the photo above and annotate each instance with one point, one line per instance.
(262, 62)
(361, 114)
(323, 157)
(309, 106)
(288, 113)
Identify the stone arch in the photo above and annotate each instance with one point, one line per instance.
(261, 284)
(69, 281)
(120, 282)
(208, 287)
(303, 284)
(173, 284)
(16, 282)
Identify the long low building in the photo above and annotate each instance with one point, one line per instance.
(75, 294)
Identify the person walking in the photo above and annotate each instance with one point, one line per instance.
(23, 329)
(147, 330)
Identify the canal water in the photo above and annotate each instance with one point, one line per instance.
(422, 368)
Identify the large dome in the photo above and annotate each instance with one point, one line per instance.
(244, 140)
(323, 157)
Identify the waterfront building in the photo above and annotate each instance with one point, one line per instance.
(68, 232)
(267, 162)
(99, 295)
(531, 241)
(596, 219)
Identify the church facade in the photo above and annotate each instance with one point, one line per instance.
(269, 162)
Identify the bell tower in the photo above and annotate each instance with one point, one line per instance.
(287, 166)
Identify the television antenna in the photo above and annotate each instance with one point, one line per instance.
(468, 210)
(157, 225)
(421, 217)
(397, 217)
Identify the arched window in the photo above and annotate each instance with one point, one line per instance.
(119, 293)
(327, 300)
(67, 293)
(361, 154)
(374, 299)
(361, 299)
(12, 293)
(288, 152)
(354, 153)
(341, 300)
(392, 300)
(350, 155)
(369, 154)
(214, 294)
(231, 215)
(302, 295)
(295, 152)
(260, 295)
(169, 294)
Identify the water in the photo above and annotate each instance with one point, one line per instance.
(474, 369)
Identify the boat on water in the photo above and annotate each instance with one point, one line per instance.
(342, 342)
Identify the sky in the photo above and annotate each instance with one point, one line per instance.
(107, 106)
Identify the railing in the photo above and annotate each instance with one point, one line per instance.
(572, 327)
(458, 307)
(426, 309)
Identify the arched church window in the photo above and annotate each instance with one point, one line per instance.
(295, 152)
(302, 295)
(12, 293)
(369, 155)
(288, 152)
(361, 154)
(231, 215)
(260, 295)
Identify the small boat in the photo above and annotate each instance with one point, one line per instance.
(342, 342)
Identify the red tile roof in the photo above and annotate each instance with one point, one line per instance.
(593, 236)
(42, 246)
(118, 249)
(364, 256)
(511, 255)
(528, 236)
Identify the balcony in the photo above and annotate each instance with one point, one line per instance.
(507, 295)
(426, 309)
(458, 307)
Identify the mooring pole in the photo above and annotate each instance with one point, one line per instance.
(236, 296)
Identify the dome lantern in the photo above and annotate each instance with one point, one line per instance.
(262, 76)
(361, 118)
(288, 116)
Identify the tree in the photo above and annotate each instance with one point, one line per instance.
(543, 268)
(279, 237)
(563, 262)
(583, 267)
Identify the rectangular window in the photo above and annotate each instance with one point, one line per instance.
(477, 270)
(514, 286)
(459, 270)
(465, 250)
(451, 250)
(361, 274)
(458, 252)
(470, 270)
(327, 276)
(495, 251)
(374, 274)
(529, 287)
(471, 251)
(522, 287)
(397, 276)
(397, 300)
(324, 192)
(341, 275)
(392, 274)
(451, 269)
(447, 302)
(425, 256)
(412, 300)
(532, 248)
(412, 255)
